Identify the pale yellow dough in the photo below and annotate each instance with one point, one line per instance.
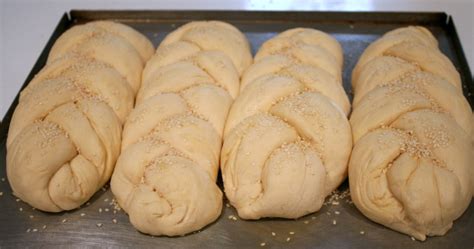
(65, 133)
(411, 166)
(165, 178)
(287, 138)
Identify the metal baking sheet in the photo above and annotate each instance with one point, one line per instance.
(337, 225)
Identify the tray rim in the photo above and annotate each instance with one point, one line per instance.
(331, 16)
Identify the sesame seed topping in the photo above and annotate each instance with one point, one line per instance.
(262, 244)
(288, 239)
(334, 222)
(274, 234)
(64, 220)
(291, 233)
(99, 224)
(362, 232)
(83, 214)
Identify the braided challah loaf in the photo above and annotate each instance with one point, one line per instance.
(65, 133)
(165, 178)
(287, 139)
(411, 166)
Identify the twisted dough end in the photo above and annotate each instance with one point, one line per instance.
(164, 193)
(58, 163)
(413, 176)
(301, 156)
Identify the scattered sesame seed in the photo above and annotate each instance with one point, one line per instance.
(337, 212)
(227, 205)
(21, 209)
(64, 220)
(1, 193)
(115, 211)
(328, 213)
(106, 210)
(291, 233)
(44, 226)
(334, 222)
(114, 221)
(17, 200)
(313, 218)
(99, 224)
(83, 214)
(306, 222)
(100, 210)
(335, 203)
(232, 217)
(412, 238)
(288, 239)
(31, 216)
(362, 232)
(3, 179)
(35, 230)
(106, 199)
(28, 230)
(262, 244)
(274, 234)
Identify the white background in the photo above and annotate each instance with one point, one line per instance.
(25, 25)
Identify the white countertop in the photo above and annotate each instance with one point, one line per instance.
(25, 25)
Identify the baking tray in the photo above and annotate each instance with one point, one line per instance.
(22, 226)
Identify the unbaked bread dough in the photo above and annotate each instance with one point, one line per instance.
(165, 178)
(120, 47)
(214, 35)
(65, 133)
(411, 166)
(287, 138)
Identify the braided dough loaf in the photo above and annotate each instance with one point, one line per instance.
(411, 166)
(287, 139)
(165, 177)
(65, 133)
